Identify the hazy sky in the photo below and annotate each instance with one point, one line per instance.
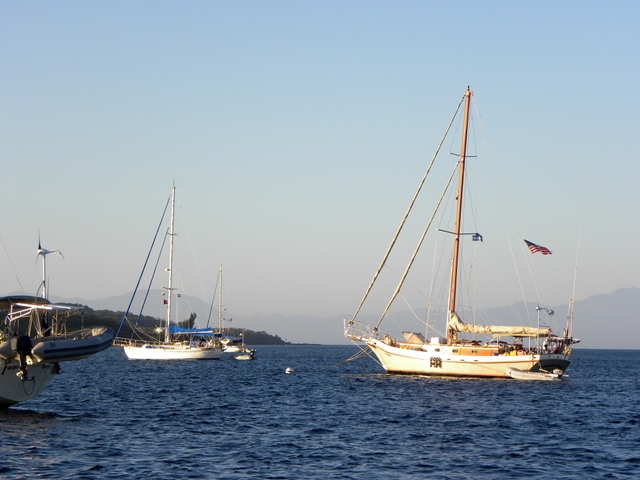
(297, 133)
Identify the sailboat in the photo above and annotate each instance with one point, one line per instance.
(229, 344)
(462, 349)
(178, 343)
(34, 340)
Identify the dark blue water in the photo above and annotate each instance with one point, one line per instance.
(108, 418)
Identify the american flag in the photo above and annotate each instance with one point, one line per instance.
(537, 248)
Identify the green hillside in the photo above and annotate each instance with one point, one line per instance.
(89, 318)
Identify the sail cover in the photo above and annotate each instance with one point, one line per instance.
(177, 330)
(514, 331)
(414, 338)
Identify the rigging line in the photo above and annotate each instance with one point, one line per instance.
(404, 219)
(134, 326)
(414, 287)
(155, 237)
(436, 298)
(155, 269)
(192, 251)
(532, 272)
(512, 213)
(413, 257)
(12, 269)
(502, 183)
(353, 357)
(573, 293)
(411, 308)
(515, 264)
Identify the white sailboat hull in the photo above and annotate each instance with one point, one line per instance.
(447, 360)
(171, 352)
(15, 390)
(232, 349)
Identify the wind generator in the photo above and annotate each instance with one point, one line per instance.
(43, 252)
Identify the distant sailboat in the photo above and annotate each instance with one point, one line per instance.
(451, 354)
(178, 343)
(230, 344)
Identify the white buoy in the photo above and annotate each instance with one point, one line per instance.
(289, 370)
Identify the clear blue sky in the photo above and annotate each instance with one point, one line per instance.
(297, 133)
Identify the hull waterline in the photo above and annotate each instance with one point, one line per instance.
(164, 352)
(451, 361)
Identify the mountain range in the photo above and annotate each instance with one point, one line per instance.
(607, 321)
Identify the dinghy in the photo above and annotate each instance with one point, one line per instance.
(528, 375)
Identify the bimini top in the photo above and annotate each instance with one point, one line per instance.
(6, 302)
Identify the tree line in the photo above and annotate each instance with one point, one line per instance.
(87, 317)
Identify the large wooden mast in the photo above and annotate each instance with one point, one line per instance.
(451, 334)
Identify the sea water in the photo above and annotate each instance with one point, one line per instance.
(107, 417)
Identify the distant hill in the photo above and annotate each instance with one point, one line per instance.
(89, 318)
(153, 304)
(609, 321)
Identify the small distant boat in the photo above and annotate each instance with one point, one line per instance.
(289, 370)
(249, 355)
(529, 375)
(31, 345)
(244, 353)
(179, 343)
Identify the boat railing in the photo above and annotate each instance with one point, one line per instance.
(126, 342)
(357, 330)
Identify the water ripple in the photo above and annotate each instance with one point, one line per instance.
(110, 418)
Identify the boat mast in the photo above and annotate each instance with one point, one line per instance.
(170, 269)
(220, 316)
(451, 334)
